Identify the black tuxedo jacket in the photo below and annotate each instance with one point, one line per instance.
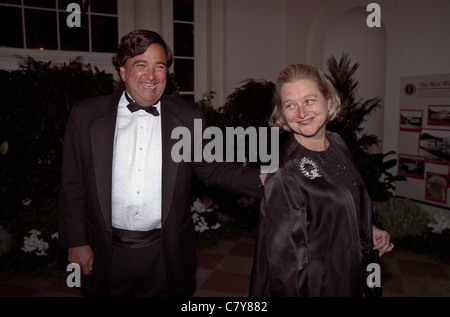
(86, 182)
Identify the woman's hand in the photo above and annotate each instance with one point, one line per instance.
(381, 241)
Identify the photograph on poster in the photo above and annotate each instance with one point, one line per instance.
(436, 187)
(411, 120)
(439, 115)
(411, 166)
(434, 146)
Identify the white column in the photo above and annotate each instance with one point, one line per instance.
(218, 52)
(202, 47)
(148, 15)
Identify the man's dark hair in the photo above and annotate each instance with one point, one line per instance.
(136, 43)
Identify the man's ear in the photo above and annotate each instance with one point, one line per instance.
(122, 73)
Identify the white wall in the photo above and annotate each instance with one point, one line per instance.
(255, 40)
(367, 47)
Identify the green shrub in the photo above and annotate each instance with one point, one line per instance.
(35, 104)
(412, 229)
(33, 247)
(402, 218)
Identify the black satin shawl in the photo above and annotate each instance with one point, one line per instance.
(312, 239)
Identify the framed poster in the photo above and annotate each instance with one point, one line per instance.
(424, 140)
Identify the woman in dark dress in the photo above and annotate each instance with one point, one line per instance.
(317, 228)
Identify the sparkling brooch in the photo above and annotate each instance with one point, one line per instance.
(309, 168)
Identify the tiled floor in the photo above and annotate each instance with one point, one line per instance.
(225, 272)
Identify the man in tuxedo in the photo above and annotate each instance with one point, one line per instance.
(124, 205)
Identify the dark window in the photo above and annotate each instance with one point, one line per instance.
(104, 33)
(74, 39)
(50, 4)
(11, 31)
(33, 24)
(183, 10)
(183, 36)
(183, 42)
(184, 74)
(40, 27)
(104, 6)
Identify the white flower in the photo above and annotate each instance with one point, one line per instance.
(441, 223)
(201, 207)
(201, 225)
(216, 226)
(33, 243)
(55, 235)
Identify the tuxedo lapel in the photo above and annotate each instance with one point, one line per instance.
(102, 140)
(169, 121)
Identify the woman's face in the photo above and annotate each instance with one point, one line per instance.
(305, 109)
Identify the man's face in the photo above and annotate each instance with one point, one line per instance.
(145, 75)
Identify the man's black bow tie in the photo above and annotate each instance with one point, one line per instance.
(134, 106)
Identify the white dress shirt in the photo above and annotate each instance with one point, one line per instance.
(136, 174)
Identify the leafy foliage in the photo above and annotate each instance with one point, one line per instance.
(354, 111)
(34, 107)
(35, 104)
(249, 105)
(39, 215)
(409, 227)
(374, 167)
(402, 218)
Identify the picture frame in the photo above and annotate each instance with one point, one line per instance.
(411, 166)
(439, 115)
(436, 187)
(434, 146)
(411, 120)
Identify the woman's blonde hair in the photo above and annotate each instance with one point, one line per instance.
(296, 72)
